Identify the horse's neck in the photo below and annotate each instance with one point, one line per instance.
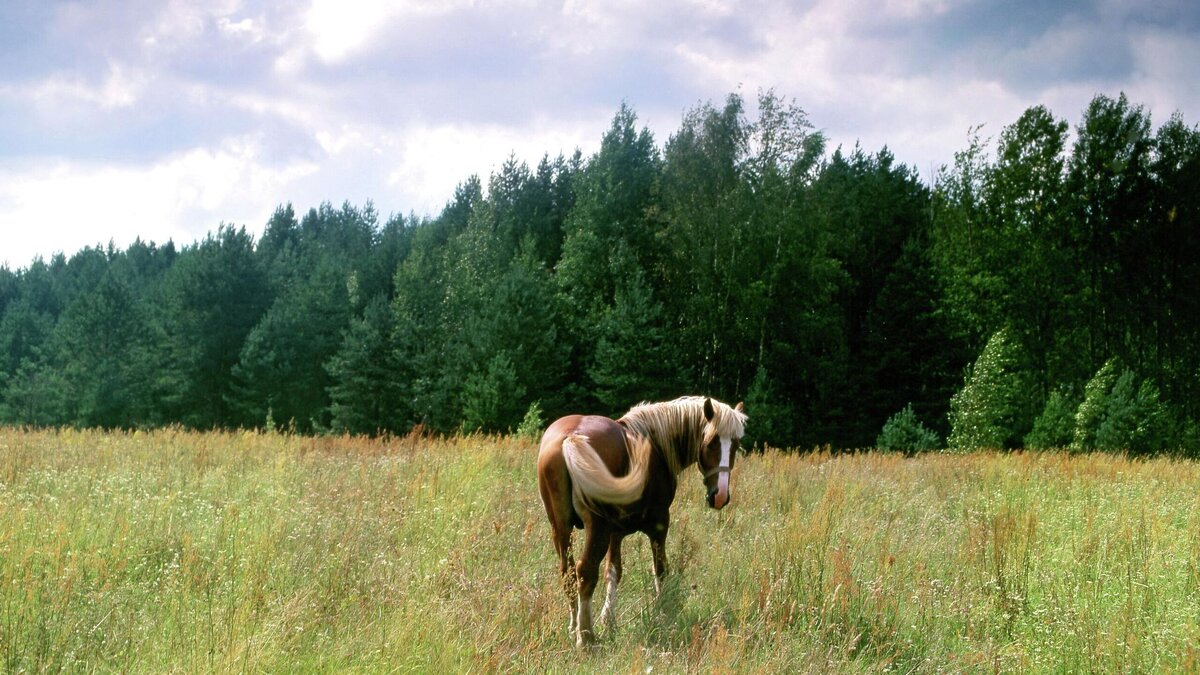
(678, 443)
(680, 448)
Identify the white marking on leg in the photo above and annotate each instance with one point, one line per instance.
(583, 624)
(608, 613)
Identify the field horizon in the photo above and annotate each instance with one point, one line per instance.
(173, 550)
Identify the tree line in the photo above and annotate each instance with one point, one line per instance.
(1034, 293)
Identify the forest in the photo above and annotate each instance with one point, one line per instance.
(1041, 293)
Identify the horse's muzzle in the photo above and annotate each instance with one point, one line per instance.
(714, 494)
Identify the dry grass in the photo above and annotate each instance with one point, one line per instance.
(178, 551)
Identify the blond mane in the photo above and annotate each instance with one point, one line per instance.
(669, 422)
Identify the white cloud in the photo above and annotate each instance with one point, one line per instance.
(241, 28)
(435, 159)
(340, 28)
(121, 88)
(400, 101)
(68, 206)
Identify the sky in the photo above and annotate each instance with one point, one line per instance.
(162, 119)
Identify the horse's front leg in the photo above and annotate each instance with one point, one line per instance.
(595, 542)
(608, 614)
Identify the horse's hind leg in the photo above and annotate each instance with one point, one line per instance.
(658, 551)
(608, 615)
(556, 497)
(595, 542)
(570, 577)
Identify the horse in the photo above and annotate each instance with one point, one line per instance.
(612, 478)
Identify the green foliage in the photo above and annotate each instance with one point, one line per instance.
(31, 387)
(631, 357)
(280, 364)
(365, 396)
(1136, 420)
(1122, 414)
(102, 341)
(988, 412)
(210, 301)
(532, 424)
(1055, 427)
(490, 395)
(33, 394)
(1092, 410)
(736, 259)
(903, 432)
(770, 415)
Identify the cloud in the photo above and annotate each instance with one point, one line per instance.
(433, 160)
(397, 102)
(180, 198)
(119, 88)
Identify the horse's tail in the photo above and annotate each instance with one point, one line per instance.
(593, 478)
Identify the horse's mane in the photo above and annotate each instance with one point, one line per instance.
(682, 419)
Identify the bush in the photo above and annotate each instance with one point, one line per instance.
(990, 409)
(903, 432)
(1121, 414)
(1055, 427)
(531, 425)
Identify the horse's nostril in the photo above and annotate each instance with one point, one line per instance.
(712, 496)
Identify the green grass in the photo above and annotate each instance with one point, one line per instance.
(178, 551)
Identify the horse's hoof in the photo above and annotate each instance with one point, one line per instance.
(585, 639)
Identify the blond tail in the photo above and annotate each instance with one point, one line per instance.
(593, 478)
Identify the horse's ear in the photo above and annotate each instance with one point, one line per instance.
(709, 413)
(739, 407)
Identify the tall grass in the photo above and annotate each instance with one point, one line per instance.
(179, 551)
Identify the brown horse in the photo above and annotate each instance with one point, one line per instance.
(612, 478)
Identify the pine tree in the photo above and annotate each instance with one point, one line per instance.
(366, 391)
(903, 432)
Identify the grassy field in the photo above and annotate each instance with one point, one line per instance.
(178, 551)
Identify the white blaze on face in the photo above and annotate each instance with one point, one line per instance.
(722, 496)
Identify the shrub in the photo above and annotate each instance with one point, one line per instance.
(904, 432)
(531, 425)
(1055, 427)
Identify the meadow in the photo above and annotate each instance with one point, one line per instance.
(176, 551)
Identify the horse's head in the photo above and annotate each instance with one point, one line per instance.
(721, 440)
